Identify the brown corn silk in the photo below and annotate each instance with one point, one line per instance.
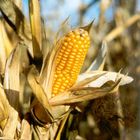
(70, 58)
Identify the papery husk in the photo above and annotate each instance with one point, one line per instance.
(49, 114)
(51, 131)
(83, 94)
(100, 78)
(35, 22)
(11, 78)
(6, 42)
(5, 47)
(4, 108)
(99, 62)
(33, 79)
(26, 132)
(11, 124)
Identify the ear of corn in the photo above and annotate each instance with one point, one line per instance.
(70, 58)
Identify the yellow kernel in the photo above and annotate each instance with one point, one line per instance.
(66, 53)
(70, 59)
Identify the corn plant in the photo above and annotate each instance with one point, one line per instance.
(40, 82)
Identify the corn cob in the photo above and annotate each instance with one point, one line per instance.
(70, 58)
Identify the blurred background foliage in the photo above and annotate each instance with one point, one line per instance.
(100, 119)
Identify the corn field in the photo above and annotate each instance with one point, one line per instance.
(69, 83)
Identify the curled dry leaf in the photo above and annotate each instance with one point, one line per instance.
(101, 77)
(83, 94)
(38, 91)
(47, 72)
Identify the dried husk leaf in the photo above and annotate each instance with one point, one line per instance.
(102, 78)
(18, 3)
(85, 80)
(63, 27)
(46, 44)
(26, 132)
(14, 17)
(5, 47)
(35, 22)
(2, 52)
(12, 76)
(58, 137)
(83, 94)
(47, 72)
(33, 79)
(4, 107)
(6, 42)
(46, 133)
(11, 125)
(98, 63)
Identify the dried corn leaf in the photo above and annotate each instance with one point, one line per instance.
(15, 18)
(18, 3)
(84, 94)
(6, 42)
(54, 127)
(104, 77)
(2, 52)
(35, 21)
(38, 91)
(26, 133)
(60, 111)
(58, 137)
(5, 47)
(24, 95)
(12, 74)
(11, 125)
(86, 80)
(46, 44)
(46, 133)
(99, 62)
(4, 107)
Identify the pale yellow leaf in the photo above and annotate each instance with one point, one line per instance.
(104, 77)
(26, 132)
(35, 21)
(11, 125)
(83, 94)
(38, 91)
